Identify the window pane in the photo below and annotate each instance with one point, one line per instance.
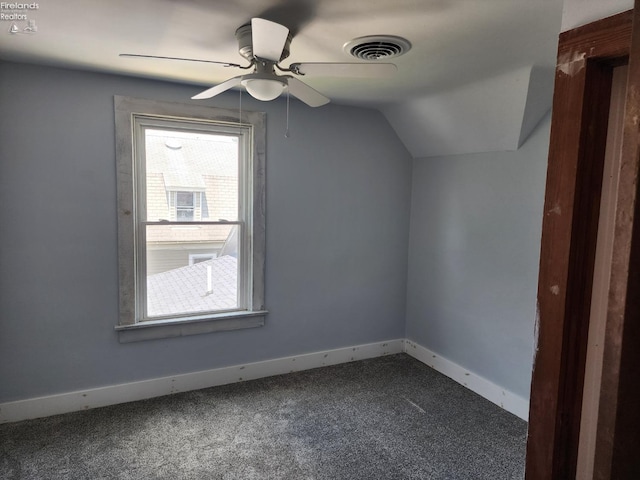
(176, 287)
(184, 214)
(191, 176)
(184, 199)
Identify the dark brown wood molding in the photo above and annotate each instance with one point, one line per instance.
(586, 57)
(618, 440)
(609, 38)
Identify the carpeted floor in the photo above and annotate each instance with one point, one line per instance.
(386, 418)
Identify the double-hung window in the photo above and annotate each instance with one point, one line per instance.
(190, 186)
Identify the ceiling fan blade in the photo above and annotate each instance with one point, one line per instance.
(222, 87)
(304, 92)
(268, 39)
(345, 69)
(226, 64)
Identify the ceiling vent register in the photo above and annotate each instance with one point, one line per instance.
(377, 47)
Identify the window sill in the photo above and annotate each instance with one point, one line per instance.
(152, 330)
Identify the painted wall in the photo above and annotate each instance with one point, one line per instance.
(338, 196)
(474, 247)
(581, 12)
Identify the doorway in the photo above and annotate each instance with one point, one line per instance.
(587, 57)
(601, 276)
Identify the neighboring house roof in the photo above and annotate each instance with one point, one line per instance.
(183, 158)
(188, 162)
(188, 233)
(184, 289)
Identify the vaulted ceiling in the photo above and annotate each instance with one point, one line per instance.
(507, 47)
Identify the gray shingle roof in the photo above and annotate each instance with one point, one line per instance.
(184, 158)
(185, 289)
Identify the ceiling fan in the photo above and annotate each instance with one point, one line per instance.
(265, 44)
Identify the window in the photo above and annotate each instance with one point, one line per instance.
(190, 219)
(184, 204)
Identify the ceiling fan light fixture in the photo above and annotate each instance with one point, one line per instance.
(265, 89)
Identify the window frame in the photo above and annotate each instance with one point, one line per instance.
(145, 122)
(128, 112)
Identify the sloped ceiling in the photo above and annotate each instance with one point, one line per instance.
(466, 56)
(491, 114)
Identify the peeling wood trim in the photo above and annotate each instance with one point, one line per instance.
(586, 57)
(617, 441)
(254, 123)
(571, 63)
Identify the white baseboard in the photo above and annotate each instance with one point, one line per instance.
(509, 401)
(129, 392)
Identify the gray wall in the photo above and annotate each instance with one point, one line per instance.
(474, 248)
(338, 194)
(581, 12)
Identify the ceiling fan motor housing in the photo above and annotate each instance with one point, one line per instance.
(245, 42)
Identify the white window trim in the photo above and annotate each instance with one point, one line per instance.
(253, 316)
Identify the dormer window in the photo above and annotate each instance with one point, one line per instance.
(183, 206)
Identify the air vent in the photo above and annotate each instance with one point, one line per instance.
(377, 47)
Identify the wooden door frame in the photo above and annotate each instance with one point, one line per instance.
(586, 58)
(617, 440)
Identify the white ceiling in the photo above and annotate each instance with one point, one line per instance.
(455, 42)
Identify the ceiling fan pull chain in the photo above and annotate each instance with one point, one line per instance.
(286, 132)
(240, 107)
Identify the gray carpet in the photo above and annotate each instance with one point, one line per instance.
(385, 418)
